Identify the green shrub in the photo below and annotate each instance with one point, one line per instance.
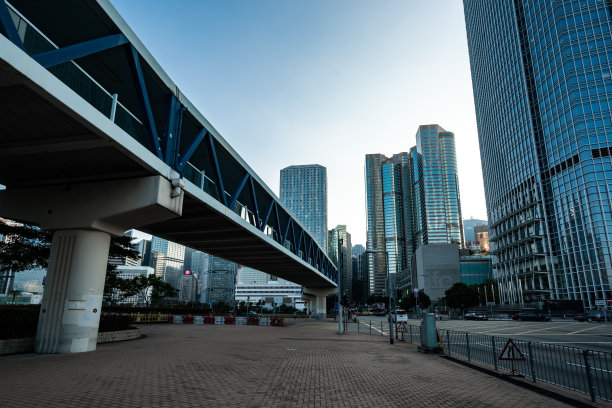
(115, 322)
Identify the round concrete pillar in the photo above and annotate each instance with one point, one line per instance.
(72, 300)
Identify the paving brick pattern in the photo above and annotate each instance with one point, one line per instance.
(304, 365)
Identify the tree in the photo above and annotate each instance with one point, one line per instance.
(149, 288)
(13, 293)
(461, 296)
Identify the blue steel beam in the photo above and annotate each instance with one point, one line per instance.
(7, 26)
(243, 182)
(295, 248)
(254, 202)
(267, 217)
(143, 100)
(169, 129)
(299, 244)
(55, 57)
(217, 169)
(177, 140)
(191, 150)
(285, 232)
(278, 226)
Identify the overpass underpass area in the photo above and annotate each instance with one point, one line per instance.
(96, 139)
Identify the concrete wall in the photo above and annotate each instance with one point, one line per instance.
(436, 269)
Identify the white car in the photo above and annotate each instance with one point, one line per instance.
(402, 316)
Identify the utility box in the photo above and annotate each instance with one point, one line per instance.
(429, 338)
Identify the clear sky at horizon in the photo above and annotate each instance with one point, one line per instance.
(325, 82)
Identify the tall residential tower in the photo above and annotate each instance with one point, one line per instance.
(303, 190)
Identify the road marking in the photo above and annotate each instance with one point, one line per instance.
(372, 327)
(579, 331)
(592, 368)
(542, 329)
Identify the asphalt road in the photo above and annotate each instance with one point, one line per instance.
(571, 333)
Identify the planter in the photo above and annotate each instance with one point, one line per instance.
(17, 346)
(109, 337)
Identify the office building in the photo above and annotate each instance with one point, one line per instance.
(360, 277)
(468, 229)
(440, 197)
(188, 287)
(412, 200)
(220, 285)
(482, 237)
(541, 73)
(169, 260)
(339, 252)
(435, 268)
(303, 191)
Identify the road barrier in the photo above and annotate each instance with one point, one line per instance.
(227, 320)
(585, 371)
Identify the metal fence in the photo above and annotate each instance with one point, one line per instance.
(581, 370)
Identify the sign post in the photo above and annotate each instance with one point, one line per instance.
(512, 353)
(401, 328)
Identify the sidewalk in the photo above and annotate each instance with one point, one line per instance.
(304, 365)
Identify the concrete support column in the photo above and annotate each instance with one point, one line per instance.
(72, 301)
(318, 300)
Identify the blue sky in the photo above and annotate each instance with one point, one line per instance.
(325, 82)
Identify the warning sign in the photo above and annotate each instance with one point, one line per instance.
(401, 328)
(511, 352)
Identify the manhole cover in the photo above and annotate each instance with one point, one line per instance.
(372, 352)
(290, 349)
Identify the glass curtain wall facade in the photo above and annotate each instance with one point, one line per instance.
(376, 263)
(340, 240)
(169, 260)
(440, 182)
(542, 78)
(303, 191)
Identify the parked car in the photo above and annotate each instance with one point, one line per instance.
(402, 316)
(593, 316)
(475, 316)
(535, 316)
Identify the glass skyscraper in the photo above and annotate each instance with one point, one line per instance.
(440, 199)
(542, 78)
(303, 191)
(340, 241)
(412, 199)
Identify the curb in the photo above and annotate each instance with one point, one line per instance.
(575, 402)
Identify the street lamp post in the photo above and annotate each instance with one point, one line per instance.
(340, 329)
(374, 251)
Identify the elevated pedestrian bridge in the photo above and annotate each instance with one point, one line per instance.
(96, 139)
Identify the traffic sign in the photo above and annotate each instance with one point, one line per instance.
(600, 302)
(401, 328)
(511, 352)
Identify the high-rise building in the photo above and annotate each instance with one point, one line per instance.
(188, 287)
(468, 229)
(442, 204)
(375, 233)
(303, 191)
(169, 260)
(542, 79)
(220, 286)
(412, 200)
(339, 252)
(359, 273)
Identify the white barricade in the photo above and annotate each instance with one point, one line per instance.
(198, 319)
(177, 319)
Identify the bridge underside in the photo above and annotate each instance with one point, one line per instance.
(43, 142)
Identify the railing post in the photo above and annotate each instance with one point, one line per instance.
(467, 342)
(370, 327)
(494, 352)
(448, 344)
(589, 373)
(113, 108)
(531, 361)
(381, 328)
(410, 328)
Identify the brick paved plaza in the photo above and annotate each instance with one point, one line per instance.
(304, 365)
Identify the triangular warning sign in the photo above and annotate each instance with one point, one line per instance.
(401, 328)
(511, 352)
